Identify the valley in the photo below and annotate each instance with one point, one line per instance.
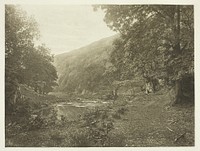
(105, 76)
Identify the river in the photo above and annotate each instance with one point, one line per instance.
(74, 109)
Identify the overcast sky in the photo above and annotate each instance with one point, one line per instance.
(67, 27)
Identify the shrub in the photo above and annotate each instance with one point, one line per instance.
(94, 130)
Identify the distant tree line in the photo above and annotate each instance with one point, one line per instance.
(157, 42)
(25, 63)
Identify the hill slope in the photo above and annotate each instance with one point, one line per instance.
(81, 70)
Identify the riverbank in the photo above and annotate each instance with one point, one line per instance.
(142, 120)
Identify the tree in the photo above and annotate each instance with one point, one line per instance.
(20, 33)
(23, 60)
(38, 69)
(156, 41)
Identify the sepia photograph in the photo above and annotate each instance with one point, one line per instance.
(99, 75)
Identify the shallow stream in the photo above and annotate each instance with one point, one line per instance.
(74, 109)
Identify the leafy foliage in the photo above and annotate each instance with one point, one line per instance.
(38, 67)
(96, 128)
(148, 31)
(157, 41)
(25, 63)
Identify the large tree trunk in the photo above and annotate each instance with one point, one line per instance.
(178, 84)
(178, 92)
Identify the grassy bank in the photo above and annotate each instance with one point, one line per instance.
(142, 120)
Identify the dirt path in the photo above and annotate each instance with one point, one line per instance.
(150, 122)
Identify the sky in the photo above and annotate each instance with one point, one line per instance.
(67, 27)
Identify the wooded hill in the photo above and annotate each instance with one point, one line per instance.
(83, 69)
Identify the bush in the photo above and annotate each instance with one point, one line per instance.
(94, 129)
(38, 121)
(35, 122)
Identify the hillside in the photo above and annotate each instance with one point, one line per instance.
(81, 70)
